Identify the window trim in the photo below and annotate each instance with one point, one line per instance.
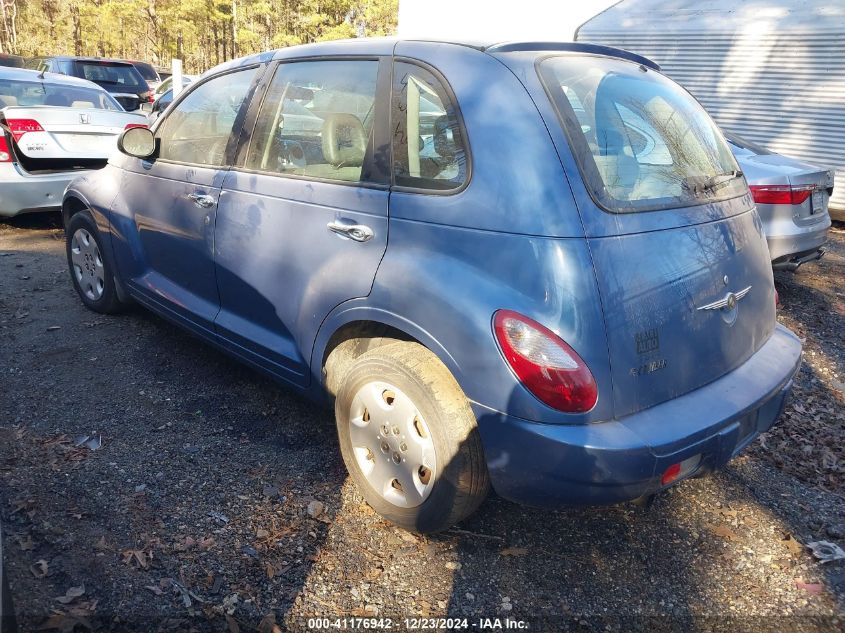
(567, 121)
(376, 141)
(461, 126)
(232, 143)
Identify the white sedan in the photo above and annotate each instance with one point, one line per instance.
(52, 129)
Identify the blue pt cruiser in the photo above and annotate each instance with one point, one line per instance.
(534, 266)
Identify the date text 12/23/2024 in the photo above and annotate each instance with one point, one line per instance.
(416, 624)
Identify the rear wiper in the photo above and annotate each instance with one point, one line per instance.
(711, 183)
(720, 179)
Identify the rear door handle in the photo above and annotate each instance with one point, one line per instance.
(357, 232)
(202, 200)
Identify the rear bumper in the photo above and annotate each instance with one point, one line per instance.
(609, 462)
(788, 240)
(23, 192)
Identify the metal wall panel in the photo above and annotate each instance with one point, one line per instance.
(783, 89)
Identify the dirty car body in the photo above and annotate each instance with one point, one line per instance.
(56, 128)
(792, 199)
(519, 211)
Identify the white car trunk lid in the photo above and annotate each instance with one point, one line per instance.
(48, 132)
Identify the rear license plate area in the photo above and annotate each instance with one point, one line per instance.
(818, 202)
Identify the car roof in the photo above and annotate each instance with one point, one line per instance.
(89, 59)
(26, 74)
(386, 45)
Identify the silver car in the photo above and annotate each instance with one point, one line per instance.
(792, 199)
(52, 129)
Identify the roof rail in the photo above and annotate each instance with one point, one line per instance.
(575, 47)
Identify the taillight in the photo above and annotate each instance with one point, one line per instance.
(781, 194)
(544, 363)
(5, 154)
(129, 126)
(19, 127)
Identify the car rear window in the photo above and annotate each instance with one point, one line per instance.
(31, 93)
(641, 141)
(110, 73)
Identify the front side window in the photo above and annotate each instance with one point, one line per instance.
(316, 120)
(641, 141)
(197, 131)
(429, 151)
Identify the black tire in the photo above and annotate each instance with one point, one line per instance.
(462, 484)
(108, 301)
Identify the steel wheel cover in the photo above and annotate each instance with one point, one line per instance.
(87, 264)
(392, 444)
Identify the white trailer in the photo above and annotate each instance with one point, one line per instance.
(496, 20)
(772, 72)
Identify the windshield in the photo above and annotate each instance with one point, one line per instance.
(31, 93)
(114, 74)
(641, 141)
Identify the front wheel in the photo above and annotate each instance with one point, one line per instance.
(90, 265)
(409, 438)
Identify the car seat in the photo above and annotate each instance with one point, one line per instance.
(344, 140)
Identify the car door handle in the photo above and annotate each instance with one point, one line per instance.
(202, 200)
(357, 232)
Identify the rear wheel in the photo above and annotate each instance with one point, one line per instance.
(409, 438)
(90, 266)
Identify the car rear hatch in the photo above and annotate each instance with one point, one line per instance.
(121, 79)
(48, 138)
(679, 255)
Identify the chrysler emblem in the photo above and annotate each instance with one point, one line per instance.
(727, 305)
(84, 118)
(727, 302)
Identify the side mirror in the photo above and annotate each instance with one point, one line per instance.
(138, 142)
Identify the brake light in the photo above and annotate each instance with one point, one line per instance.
(129, 126)
(5, 154)
(19, 127)
(543, 362)
(781, 194)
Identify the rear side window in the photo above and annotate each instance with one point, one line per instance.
(198, 129)
(641, 141)
(316, 120)
(112, 74)
(429, 151)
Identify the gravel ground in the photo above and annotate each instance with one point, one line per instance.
(194, 512)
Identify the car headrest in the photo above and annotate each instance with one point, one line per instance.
(344, 140)
(56, 99)
(7, 101)
(82, 104)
